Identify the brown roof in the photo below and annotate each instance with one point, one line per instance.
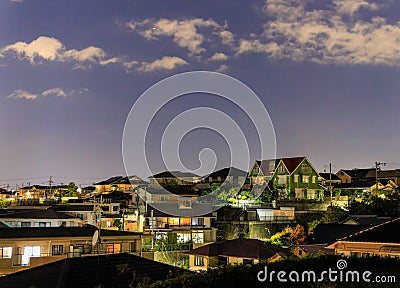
(242, 248)
(292, 163)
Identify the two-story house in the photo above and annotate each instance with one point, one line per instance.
(289, 177)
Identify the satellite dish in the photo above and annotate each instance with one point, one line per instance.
(95, 237)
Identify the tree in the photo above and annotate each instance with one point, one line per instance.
(72, 188)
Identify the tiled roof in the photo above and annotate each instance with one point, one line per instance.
(109, 180)
(33, 214)
(326, 176)
(292, 163)
(357, 173)
(367, 220)
(75, 207)
(383, 174)
(54, 232)
(113, 270)
(174, 174)
(227, 171)
(388, 232)
(329, 233)
(242, 248)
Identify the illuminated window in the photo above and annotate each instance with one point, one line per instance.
(198, 261)
(184, 221)
(5, 252)
(30, 251)
(305, 178)
(183, 237)
(198, 237)
(113, 248)
(296, 178)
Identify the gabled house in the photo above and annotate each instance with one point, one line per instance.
(327, 179)
(296, 177)
(237, 251)
(129, 183)
(387, 175)
(107, 185)
(381, 240)
(41, 191)
(353, 175)
(173, 178)
(365, 220)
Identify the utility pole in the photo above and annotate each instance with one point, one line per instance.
(377, 167)
(330, 182)
(50, 182)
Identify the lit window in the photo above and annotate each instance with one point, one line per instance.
(305, 178)
(5, 252)
(198, 237)
(198, 261)
(113, 248)
(296, 178)
(30, 251)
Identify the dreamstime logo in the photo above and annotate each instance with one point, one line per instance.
(135, 148)
(332, 275)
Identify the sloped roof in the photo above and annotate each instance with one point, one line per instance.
(388, 232)
(265, 166)
(75, 207)
(242, 248)
(292, 163)
(357, 173)
(174, 174)
(329, 233)
(383, 174)
(33, 214)
(113, 270)
(326, 176)
(316, 249)
(109, 181)
(227, 171)
(54, 232)
(367, 220)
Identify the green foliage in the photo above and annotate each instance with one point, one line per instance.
(289, 237)
(377, 206)
(4, 203)
(118, 223)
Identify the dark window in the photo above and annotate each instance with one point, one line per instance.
(115, 208)
(200, 221)
(42, 224)
(247, 261)
(25, 224)
(133, 246)
(57, 250)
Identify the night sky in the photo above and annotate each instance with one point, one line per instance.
(70, 71)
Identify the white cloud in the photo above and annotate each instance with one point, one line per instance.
(22, 94)
(130, 65)
(351, 6)
(54, 91)
(51, 49)
(299, 32)
(43, 48)
(165, 63)
(185, 33)
(110, 61)
(223, 68)
(218, 57)
(58, 92)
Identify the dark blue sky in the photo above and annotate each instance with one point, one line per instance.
(70, 72)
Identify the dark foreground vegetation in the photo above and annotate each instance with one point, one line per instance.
(245, 276)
